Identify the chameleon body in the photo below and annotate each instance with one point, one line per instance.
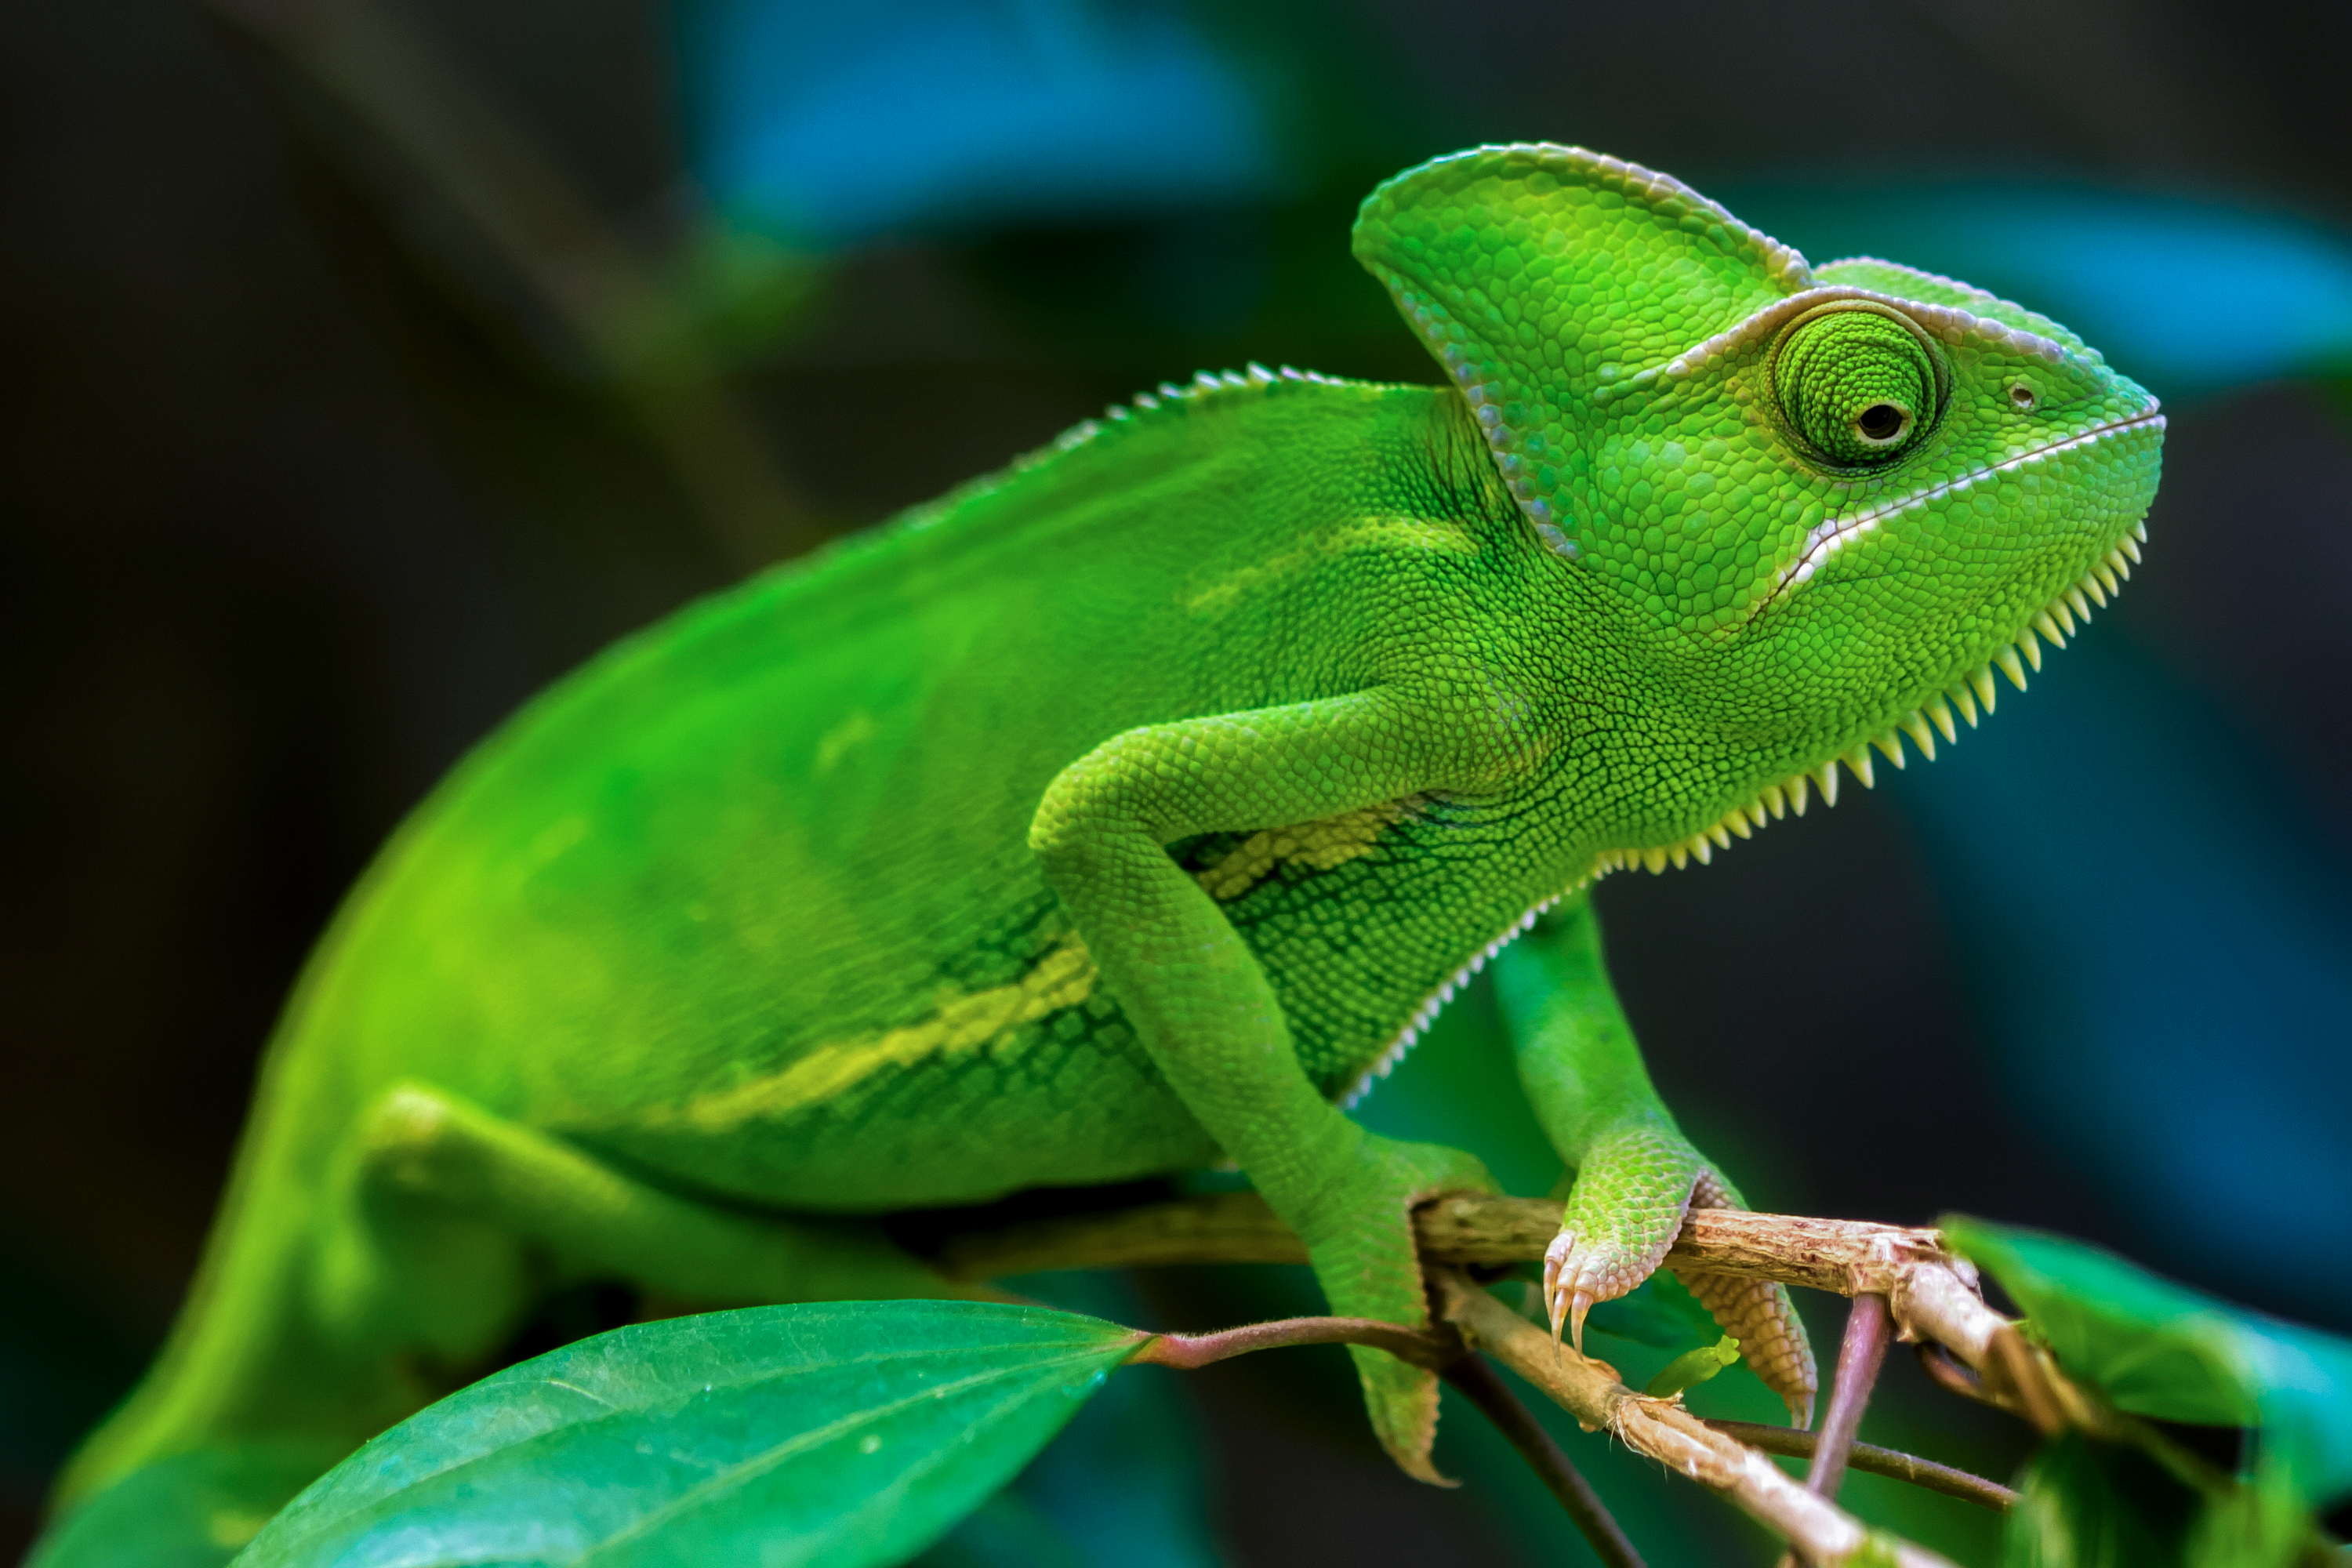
(1125, 810)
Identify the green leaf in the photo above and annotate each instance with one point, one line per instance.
(1693, 1367)
(2153, 1347)
(2094, 1504)
(191, 1511)
(2160, 1350)
(841, 1433)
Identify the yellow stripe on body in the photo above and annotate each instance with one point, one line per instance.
(1063, 978)
(1318, 846)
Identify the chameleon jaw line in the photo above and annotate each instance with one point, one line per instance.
(1426, 1014)
(1834, 534)
(2053, 624)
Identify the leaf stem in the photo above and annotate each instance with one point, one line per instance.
(1444, 1351)
(1950, 1373)
(1474, 1376)
(1190, 1352)
(1872, 1460)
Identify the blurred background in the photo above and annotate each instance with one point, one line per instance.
(370, 363)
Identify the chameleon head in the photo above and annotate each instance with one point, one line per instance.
(1818, 505)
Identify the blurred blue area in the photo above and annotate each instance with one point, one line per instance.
(827, 125)
(2189, 296)
(2164, 952)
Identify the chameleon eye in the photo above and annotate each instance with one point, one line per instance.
(1881, 423)
(1855, 385)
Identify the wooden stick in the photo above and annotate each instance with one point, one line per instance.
(1663, 1431)
(1931, 1295)
(1190, 1353)
(1847, 1257)
(1931, 1292)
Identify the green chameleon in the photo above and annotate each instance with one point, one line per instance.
(1133, 809)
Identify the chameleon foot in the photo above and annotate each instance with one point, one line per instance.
(1360, 1243)
(1631, 1196)
(1631, 1192)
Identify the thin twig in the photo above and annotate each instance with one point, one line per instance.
(1868, 1326)
(1931, 1295)
(1931, 1291)
(2020, 1373)
(1872, 1460)
(1190, 1351)
(1443, 1350)
(1948, 1373)
(1544, 1456)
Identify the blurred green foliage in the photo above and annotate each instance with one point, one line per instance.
(2160, 1351)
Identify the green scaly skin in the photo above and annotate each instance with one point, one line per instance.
(1126, 810)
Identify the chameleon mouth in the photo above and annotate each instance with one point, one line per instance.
(1972, 693)
(1426, 1014)
(1834, 534)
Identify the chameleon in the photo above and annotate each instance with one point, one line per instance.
(1129, 810)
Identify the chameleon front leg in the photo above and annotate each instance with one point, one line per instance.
(1636, 1175)
(1204, 1010)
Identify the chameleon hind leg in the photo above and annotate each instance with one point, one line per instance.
(1636, 1175)
(454, 1219)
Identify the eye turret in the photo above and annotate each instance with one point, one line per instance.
(1858, 386)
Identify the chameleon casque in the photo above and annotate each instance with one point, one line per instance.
(1125, 811)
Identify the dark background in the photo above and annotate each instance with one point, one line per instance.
(309, 474)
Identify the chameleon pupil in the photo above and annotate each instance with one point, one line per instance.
(1855, 385)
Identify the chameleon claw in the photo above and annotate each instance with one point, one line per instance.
(1576, 1312)
(1556, 1259)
